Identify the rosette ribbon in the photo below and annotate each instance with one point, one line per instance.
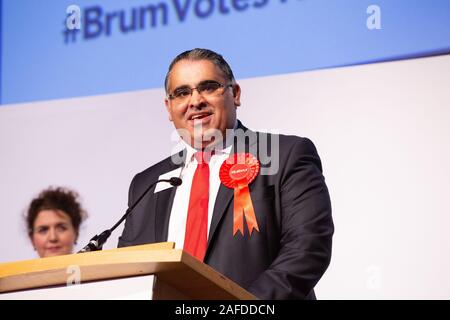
(237, 172)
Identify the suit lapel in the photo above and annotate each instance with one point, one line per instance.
(163, 206)
(223, 199)
(224, 196)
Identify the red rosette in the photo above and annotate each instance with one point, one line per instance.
(237, 172)
(240, 168)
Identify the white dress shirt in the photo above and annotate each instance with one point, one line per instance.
(178, 216)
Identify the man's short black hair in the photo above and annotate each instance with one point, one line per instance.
(202, 54)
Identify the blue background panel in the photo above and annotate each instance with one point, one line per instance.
(258, 37)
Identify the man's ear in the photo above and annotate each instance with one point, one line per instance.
(237, 95)
(166, 102)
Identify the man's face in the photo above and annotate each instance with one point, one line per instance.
(203, 116)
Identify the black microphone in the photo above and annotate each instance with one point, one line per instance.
(97, 242)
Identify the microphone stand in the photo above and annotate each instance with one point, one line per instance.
(97, 241)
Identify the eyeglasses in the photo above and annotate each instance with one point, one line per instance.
(208, 88)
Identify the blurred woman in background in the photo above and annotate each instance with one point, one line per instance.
(53, 220)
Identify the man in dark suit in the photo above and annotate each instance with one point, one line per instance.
(276, 243)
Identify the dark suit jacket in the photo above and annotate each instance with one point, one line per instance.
(291, 252)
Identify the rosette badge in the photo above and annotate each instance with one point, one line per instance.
(237, 172)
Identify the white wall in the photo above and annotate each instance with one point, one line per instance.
(94, 145)
(382, 132)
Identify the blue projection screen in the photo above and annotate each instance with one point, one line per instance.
(50, 51)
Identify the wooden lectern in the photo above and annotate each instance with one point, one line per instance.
(153, 271)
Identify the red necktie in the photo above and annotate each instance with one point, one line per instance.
(195, 239)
